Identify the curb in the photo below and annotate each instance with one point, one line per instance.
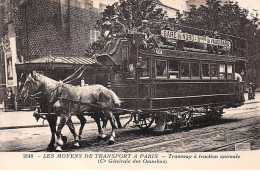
(45, 125)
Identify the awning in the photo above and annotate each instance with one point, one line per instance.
(57, 62)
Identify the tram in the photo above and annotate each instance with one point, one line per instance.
(178, 81)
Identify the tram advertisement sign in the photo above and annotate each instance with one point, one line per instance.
(194, 38)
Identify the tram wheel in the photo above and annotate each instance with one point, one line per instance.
(144, 121)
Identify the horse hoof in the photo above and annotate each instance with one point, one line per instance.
(64, 139)
(58, 149)
(76, 144)
(50, 147)
(111, 142)
(99, 137)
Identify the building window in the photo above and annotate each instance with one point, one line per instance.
(205, 70)
(173, 69)
(195, 70)
(185, 70)
(161, 71)
(94, 36)
(222, 71)
(214, 71)
(229, 71)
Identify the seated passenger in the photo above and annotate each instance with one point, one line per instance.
(148, 39)
(144, 29)
(118, 29)
(107, 29)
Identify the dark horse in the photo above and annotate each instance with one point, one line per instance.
(69, 100)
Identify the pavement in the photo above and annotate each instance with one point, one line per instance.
(25, 119)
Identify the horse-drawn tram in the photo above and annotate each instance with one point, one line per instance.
(173, 78)
(177, 80)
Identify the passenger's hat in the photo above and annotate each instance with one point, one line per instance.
(145, 21)
(114, 17)
(106, 21)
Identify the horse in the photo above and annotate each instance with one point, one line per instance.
(70, 100)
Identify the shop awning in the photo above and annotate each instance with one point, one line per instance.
(57, 62)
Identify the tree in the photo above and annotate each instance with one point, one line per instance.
(227, 18)
(132, 12)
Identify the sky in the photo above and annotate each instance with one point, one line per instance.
(247, 4)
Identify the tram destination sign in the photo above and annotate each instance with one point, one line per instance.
(194, 38)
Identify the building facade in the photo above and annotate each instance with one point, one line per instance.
(171, 12)
(32, 29)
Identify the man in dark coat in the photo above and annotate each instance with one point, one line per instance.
(148, 39)
(144, 28)
(118, 29)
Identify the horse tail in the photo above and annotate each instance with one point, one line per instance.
(115, 98)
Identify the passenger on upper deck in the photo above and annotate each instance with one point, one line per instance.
(144, 29)
(118, 29)
(107, 29)
(148, 35)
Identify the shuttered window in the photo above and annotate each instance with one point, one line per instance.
(205, 70)
(195, 70)
(185, 70)
(214, 70)
(94, 36)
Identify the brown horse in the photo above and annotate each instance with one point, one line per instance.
(69, 100)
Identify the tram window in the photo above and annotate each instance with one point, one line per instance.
(222, 71)
(214, 70)
(185, 70)
(173, 69)
(144, 69)
(161, 71)
(195, 70)
(205, 71)
(229, 71)
(130, 72)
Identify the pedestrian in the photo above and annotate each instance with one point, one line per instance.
(250, 92)
(253, 89)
